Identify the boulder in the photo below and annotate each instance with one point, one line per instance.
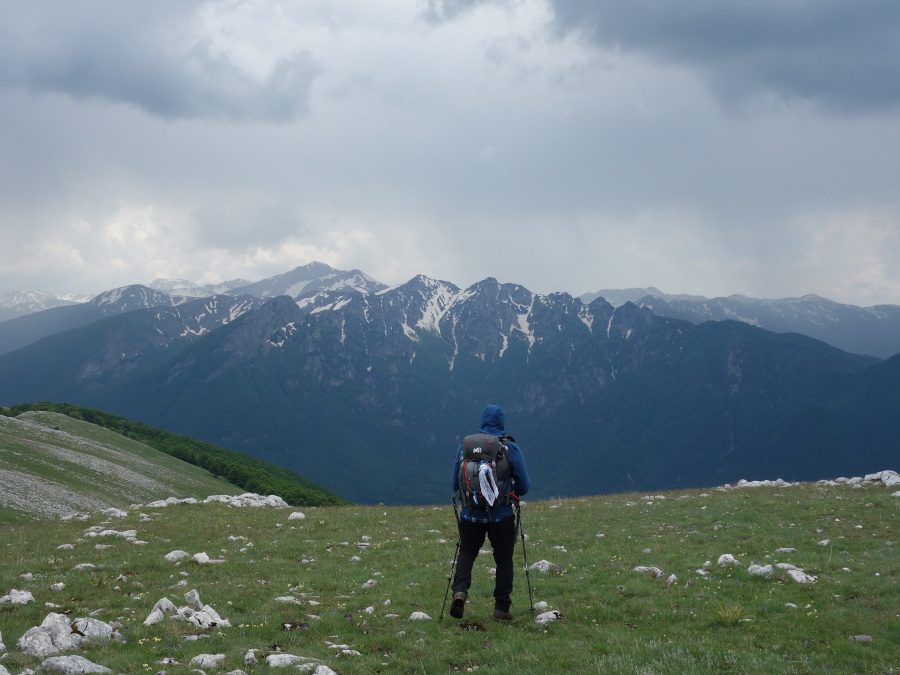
(547, 617)
(284, 660)
(176, 555)
(297, 515)
(70, 665)
(53, 636)
(155, 617)
(93, 629)
(643, 569)
(727, 560)
(546, 567)
(759, 570)
(165, 606)
(192, 598)
(208, 660)
(801, 577)
(15, 597)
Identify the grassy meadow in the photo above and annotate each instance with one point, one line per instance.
(614, 620)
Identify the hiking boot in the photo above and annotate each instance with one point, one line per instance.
(458, 605)
(502, 615)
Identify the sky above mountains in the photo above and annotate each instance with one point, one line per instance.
(700, 147)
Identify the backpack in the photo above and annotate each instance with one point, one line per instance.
(490, 451)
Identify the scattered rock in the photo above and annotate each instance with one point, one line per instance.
(208, 660)
(825, 542)
(92, 629)
(84, 566)
(759, 570)
(727, 560)
(540, 606)
(57, 586)
(370, 583)
(2, 646)
(288, 600)
(801, 577)
(250, 657)
(419, 616)
(53, 636)
(297, 515)
(786, 566)
(165, 606)
(785, 549)
(65, 547)
(284, 660)
(177, 555)
(547, 617)
(156, 616)
(547, 567)
(861, 638)
(671, 580)
(643, 569)
(248, 499)
(15, 597)
(192, 598)
(70, 665)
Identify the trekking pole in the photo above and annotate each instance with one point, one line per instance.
(524, 555)
(455, 556)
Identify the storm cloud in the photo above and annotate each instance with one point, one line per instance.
(700, 147)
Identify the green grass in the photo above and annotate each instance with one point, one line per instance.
(94, 464)
(249, 473)
(614, 620)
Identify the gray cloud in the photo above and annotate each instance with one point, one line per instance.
(151, 55)
(845, 56)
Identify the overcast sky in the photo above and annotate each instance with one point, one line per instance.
(699, 146)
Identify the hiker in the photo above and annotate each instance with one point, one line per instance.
(480, 517)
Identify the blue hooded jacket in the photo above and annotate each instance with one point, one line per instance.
(492, 422)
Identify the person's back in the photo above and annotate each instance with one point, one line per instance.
(496, 520)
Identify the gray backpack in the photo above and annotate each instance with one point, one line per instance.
(484, 450)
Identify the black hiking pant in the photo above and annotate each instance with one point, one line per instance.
(502, 536)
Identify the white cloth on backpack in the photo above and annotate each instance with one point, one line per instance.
(487, 483)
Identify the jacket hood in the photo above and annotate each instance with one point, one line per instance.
(492, 421)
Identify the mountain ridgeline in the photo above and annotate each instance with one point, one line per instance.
(368, 391)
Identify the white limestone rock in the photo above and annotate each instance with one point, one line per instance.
(861, 638)
(84, 567)
(760, 570)
(3, 671)
(825, 542)
(165, 606)
(785, 549)
(727, 560)
(192, 598)
(297, 515)
(58, 586)
(801, 577)
(65, 547)
(419, 616)
(93, 629)
(540, 606)
(284, 660)
(644, 569)
(208, 660)
(786, 566)
(250, 657)
(2, 646)
(547, 617)
(176, 555)
(156, 616)
(52, 637)
(201, 558)
(546, 567)
(71, 665)
(15, 597)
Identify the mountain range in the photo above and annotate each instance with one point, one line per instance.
(862, 330)
(366, 389)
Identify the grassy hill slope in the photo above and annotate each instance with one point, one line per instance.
(245, 471)
(614, 620)
(51, 464)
